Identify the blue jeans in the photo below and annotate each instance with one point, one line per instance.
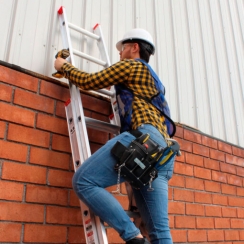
(97, 173)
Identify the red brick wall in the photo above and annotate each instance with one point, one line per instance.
(37, 203)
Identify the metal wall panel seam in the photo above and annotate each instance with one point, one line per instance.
(156, 43)
(193, 67)
(240, 74)
(50, 38)
(218, 67)
(175, 62)
(230, 69)
(10, 31)
(206, 68)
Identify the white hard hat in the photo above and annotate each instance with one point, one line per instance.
(138, 34)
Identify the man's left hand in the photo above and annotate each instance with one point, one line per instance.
(58, 63)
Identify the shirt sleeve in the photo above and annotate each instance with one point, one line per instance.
(117, 73)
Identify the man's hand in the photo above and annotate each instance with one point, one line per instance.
(58, 63)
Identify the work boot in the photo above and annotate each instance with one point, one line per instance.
(138, 241)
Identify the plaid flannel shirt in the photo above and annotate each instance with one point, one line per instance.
(135, 76)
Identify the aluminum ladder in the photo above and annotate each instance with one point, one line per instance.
(77, 123)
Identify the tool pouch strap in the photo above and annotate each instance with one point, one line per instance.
(136, 162)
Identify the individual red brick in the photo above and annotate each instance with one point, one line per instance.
(239, 171)
(205, 223)
(73, 199)
(236, 201)
(179, 132)
(180, 158)
(192, 136)
(219, 176)
(54, 91)
(237, 223)
(28, 135)
(171, 221)
(46, 195)
(179, 236)
(6, 92)
(60, 109)
(24, 173)
(195, 209)
(240, 213)
(185, 222)
(176, 208)
(177, 180)
(215, 154)
(211, 164)
(224, 147)
(212, 186)
(11, 191)
(34, 101)
(10, 232)
(95, 104)
(234, 180)
(193, 183)
(202, 173)
(2, 129)
(202, 197)
(183, 195)
(228, 168)
(231, 235)
(215, 235)
(222, 223)
(241, 235)
(99, 116)
(183, 169)
(240, 191)
(200, 150)
(17, 115)
(76, 235)
(185, 145)
(49, 158)
(61, 143)
(238, 151)
(19, 79)
(113, 236)
(45, 233)
(227, 189)
(170, 193)
(21, 212)
(61, 215)
(97, 136)
(60, 178)
(229, 212)
(220, 199)
(197, 235)
(213, 211)
(234, 160)
(209, 142)
(194, 159)
(52, 124)
(13, 151)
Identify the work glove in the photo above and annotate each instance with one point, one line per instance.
(64, 53)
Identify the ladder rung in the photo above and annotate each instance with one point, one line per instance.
(102, 126)
(83, 31)
(88, 57)
(106, 92)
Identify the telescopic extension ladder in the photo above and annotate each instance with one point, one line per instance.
(93, 227)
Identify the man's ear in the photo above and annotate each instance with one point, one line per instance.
(136, 48)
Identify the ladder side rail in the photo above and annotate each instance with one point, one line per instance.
(96, 228)
(75, 92)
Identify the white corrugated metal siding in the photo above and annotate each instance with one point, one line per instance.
(199, 56)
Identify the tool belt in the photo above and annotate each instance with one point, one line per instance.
(138, 163)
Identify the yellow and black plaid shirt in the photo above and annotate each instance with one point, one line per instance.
(135, 76)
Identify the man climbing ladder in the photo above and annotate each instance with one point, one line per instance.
(143, 143)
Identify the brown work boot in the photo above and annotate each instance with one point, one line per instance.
(137, 240)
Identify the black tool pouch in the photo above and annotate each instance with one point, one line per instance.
(136, 163)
